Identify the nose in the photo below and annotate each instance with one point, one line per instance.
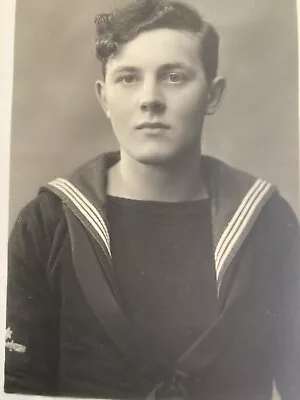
(153, 106)
(152, 98)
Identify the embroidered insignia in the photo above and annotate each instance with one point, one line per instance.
(11, 345)
(8, 333)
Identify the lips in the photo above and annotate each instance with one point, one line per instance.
(153, 125)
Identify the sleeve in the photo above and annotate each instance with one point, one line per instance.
(287, 351)
(32, 318)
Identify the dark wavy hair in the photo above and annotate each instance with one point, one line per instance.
(124, 24)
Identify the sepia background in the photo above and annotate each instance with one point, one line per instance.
(57, 123)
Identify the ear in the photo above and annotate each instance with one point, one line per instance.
(101, 96)
(216, 93)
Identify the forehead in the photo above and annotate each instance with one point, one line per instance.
(150, 49)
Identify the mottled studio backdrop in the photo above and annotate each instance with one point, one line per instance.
(57, 123)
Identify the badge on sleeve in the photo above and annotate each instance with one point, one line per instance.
(11, 345)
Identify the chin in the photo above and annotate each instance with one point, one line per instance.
(156, 157)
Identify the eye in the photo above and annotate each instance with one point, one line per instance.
(176, 77)
(127, 79)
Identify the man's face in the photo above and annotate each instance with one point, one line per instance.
(155, 94)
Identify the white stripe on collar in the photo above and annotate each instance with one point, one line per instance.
(85, 207)
(239, 226)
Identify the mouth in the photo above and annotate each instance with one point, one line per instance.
(152, 126)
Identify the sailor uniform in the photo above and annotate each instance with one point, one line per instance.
(65, 308)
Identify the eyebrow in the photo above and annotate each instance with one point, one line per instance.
(175, 65)
(125, 68)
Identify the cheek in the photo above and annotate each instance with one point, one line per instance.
(118, 101)
(117, 105)
(192, 105)
(120, 110)
(121, 118)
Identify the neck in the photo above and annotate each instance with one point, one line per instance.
(174, 181)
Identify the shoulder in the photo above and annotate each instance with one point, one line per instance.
(234, 184)
(229, 187)
(250, 200)
(39, 220)
(46, 206)
(279, 222)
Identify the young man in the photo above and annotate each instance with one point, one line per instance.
(155, 272)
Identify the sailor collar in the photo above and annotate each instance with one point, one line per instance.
(237, 199)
